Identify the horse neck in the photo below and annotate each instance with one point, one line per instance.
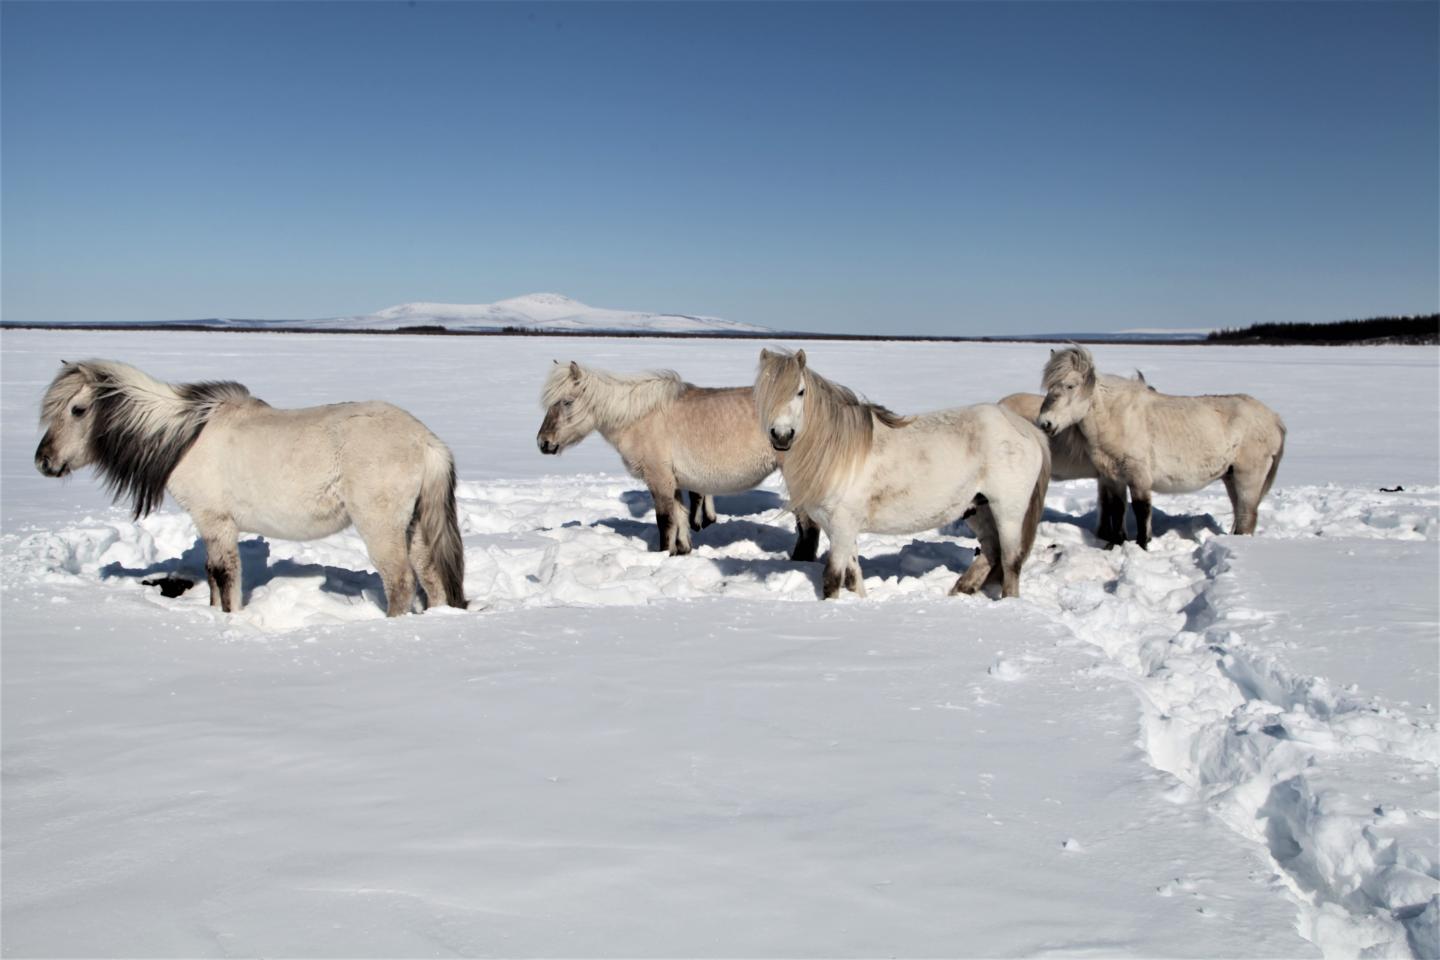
(619, 404)
(1102, 407)
(830, 454)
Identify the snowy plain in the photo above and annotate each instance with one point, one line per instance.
(1222, 747)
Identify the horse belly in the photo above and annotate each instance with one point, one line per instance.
(914, 507)
(281, 482)
(288, 517)
(710, 474)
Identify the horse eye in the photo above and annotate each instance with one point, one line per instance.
(78, 411)
(567, 403)
(801, 393)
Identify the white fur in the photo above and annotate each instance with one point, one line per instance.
(862, 469)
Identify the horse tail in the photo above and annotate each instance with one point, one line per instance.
(1036, 509)
(1274, 462)
(436, 516)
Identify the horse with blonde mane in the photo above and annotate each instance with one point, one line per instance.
(1070, 459)
(671, 434)
(1146, 440)
(238, 464)
(856, 467)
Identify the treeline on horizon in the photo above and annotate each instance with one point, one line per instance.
(1422, 329)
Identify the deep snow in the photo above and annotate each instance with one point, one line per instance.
(1221, 747)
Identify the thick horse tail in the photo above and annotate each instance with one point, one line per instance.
(1274, 462)
(436, 518)
(1036, 509)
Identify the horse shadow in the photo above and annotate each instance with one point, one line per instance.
(1188, 525)
(722, 533)
(176, 575)
(749, 503)
(918, 558)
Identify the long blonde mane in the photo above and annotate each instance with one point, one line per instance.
(615, 400)
(1071, 359)
(140, 426)
(838, 430)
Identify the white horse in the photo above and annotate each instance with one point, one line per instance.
(1070, 458)
(673, 435)
(856, 467)
(1146, 440)
(237, 464)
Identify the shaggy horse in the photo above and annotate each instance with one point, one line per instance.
(1146, 440)
(237, 464)
(671, 434)
(1070, 459)
(856, 467)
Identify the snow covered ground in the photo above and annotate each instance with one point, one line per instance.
(1221, 747)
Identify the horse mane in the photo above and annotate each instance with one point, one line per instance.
(142, 426)
(615, 399)
(1073, 358)
(839, 426)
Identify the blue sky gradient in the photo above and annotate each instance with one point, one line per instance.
(927, 168)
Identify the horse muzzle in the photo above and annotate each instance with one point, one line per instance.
(1048, 425)
(547, 446)
(47, 467)
(782, 441)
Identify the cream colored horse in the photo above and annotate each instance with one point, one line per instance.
(237, 464)
(671, 434)
(1146, 440)
(856, 467)
(1070, 459)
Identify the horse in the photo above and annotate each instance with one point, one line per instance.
(237, 464)
(1070, 460)
(671, 434)
(856, 467)
(1145, 440)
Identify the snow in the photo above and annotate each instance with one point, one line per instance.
(1222, 747)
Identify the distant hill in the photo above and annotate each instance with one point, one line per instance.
(533, 313)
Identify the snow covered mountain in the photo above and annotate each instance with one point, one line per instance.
(539, 311)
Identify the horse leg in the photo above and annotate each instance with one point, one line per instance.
(682, 529)
(667, 512)
(697, 510)
(986, 567)
(1140, 503)
(1248, 487)
(1111, 527)
(386, 533)
(841, 564)
(807, 538)
(709, 516)
(222, 561)
(425, 570)
(854, 578)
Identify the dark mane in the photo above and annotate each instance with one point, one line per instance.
(140, 433)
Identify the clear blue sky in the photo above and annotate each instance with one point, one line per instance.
(930, 168)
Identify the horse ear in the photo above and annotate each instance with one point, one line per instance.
(1140, 375)
(765, 355)
(800, 358)
(556, 362)
(574, 371)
